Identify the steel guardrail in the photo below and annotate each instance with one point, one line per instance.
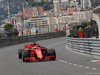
(86, 45)
(31, 38)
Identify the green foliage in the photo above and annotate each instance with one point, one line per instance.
(47, 5)
(74, 27)
(14, 5)
(78, 26)
(83, 25)
(92, 22)
(8, 27)
(63, 15)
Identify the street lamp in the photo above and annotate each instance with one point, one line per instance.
(23, 3)
(22, 27)
(29, 28)
(56, 9)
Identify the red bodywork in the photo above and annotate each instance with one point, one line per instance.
(38, 51)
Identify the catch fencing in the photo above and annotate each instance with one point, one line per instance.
(86, 45)
(31, 38)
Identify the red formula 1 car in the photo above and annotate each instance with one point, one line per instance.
(36, 52)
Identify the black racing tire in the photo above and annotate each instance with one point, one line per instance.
(20, 53)
(25, 54)
(52, 53)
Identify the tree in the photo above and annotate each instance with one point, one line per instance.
(92, 22)
(84, 24)
(74, 27)
(78, 26)
(8, 27)
(46, 4)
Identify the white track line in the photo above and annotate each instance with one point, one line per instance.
(70, 63)
(75, 64)
(80, 66)
(86, 67)
(59, 60)
(94, 68)
(62, 61)
(66, 62)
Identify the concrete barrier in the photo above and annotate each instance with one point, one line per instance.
(17, 40)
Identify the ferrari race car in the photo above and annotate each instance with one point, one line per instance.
(36, 52)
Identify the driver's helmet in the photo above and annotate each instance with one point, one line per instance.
(34, 43)
(34, 47)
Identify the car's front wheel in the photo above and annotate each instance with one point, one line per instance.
(52, 53)
(20, 53)
(25, 54)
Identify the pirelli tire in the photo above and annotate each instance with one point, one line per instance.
(25, 54)
(52, 52)
(20, 53)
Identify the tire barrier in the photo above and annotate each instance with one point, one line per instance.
(85, 45)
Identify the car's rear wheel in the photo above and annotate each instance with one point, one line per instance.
(52, 53)
(25, 54)
(20, 53)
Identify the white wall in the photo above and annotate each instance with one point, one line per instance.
(97, 16)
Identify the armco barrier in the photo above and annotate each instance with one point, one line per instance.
(16, 40)
(86, 45)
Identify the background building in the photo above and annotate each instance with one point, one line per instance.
(40, 10)
(95, 3)
(28, 12)
(86, 4)
(40, 24)
(35, 11)
(31, 12)
(59, 6)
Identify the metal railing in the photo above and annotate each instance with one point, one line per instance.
(86, 45)
(17, 40)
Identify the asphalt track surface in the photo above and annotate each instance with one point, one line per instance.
(67, 63)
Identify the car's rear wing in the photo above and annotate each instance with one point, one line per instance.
(28, 46)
